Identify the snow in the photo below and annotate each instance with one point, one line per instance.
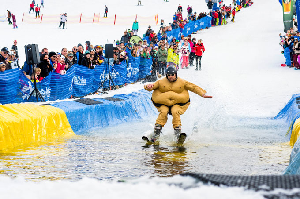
(240, 69)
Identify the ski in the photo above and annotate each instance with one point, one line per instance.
(148, 142)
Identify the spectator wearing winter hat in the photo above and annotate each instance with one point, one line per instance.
(125, 37)
(70, 57)
(4, 57)
(148, 31)
(45, 65)
(4, 54)
(53, 60)
(99, 54)
(86, 60)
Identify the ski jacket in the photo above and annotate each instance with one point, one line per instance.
(8, 14)
(59, 68)
(199, 49)
(13, 18)
(32, 5)
(192, 46)
(171, 57)
(37, 9)
(45, 67)
(135, 26)
(79, 57)
(171, 93)
(162, 55)
(63, 18)
(185, 49)
(233, 12)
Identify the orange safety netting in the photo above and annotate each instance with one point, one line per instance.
(97, 18)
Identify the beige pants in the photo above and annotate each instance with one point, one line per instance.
(176, 111)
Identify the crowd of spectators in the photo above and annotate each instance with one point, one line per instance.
(179, 53)
(290, 43)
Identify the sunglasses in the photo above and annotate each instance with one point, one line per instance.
(170, 75)
(5, 52)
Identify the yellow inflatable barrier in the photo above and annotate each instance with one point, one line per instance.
(295, 132)
(29, 124)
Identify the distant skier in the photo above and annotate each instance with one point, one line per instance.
(9, 17)
(14, 21)
(105, 11)
(139, 2)
(135, 27)
(37, 11)
(31, 7)
(63, 20)
(179, 9)
(171, 96)
(42, 3)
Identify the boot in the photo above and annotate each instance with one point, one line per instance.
(177, 131)
(157, 131)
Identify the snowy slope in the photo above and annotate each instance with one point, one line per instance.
(241, 69)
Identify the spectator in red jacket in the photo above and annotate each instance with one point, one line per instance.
(233, 14)
(199, 52)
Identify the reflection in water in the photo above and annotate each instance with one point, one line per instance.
(168, 161)
(103, 158)
(114, 156)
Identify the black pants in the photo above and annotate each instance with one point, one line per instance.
(198, 58)
(105, 14)
(9, 21)
(37, 14)
(62, 23)
(162, 67)
(191, 58)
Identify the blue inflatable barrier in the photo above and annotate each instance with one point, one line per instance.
(291, 112)
(104, 112)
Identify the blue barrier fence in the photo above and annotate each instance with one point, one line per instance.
(79, 81)
(189, 28)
